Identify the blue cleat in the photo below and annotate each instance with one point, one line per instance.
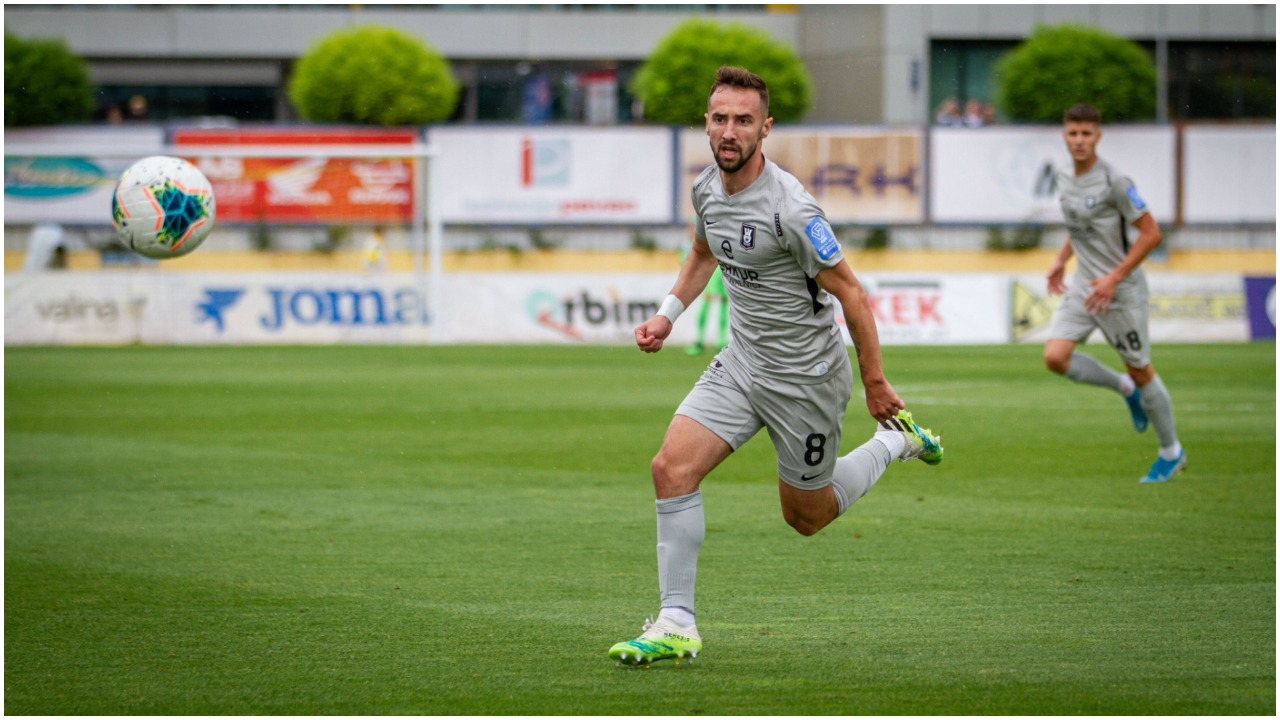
(1135, 410)
(1161, 470)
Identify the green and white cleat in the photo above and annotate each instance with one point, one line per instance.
(661, 640)
(921, 442)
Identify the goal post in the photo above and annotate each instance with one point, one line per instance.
(426, 232)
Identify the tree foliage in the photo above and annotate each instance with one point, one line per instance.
(674, 82)
(1060, 66)
(44, 83)
(373, 75)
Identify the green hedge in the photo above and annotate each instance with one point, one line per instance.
(1060, 66)
(373, 75)
(44, 83)
(674, 82)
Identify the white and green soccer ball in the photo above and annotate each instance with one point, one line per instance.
(163, 207)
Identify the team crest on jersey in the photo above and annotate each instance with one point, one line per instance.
(1090, 201)
(748, 240)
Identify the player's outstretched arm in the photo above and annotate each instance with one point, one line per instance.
(694, 275)
(882, 402)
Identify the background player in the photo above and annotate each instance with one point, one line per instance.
(1110, 292)
(714, 295)
(786, 367)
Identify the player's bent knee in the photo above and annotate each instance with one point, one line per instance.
(1057, 363)
(671, 479)
(1142, 375)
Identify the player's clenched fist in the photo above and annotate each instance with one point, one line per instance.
(651, 333)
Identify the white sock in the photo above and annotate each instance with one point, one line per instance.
(678, 615)
(681, 529)
(1127, 386)
(892, 439)
(1172, 452)
(1159, 407)
(856, 472)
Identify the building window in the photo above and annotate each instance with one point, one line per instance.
(964, 70)
(174, 102)
(1222, 80)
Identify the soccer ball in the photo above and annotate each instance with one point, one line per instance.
(163, 207)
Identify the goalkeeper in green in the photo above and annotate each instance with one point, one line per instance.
(714, 295)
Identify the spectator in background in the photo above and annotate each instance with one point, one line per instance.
(989, 113)
(973, 116)
(949, 114)
(137, 108)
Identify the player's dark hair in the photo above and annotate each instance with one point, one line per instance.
(1084, 112)
(729, 76)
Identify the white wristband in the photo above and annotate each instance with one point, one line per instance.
(671, 308)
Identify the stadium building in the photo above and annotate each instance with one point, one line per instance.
(1215, 61)
(568, 67)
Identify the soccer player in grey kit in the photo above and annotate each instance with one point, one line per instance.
(1110, 293)
(786, 367)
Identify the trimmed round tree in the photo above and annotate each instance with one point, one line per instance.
(1062, 65)
(44, 83)
(373, 75)
(674, 82)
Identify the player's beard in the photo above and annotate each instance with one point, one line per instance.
(733, 166)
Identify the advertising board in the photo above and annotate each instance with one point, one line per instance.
(156, 307)
(1229, 174)
(858, 176)
(74, 190)
(560, 176)
(307, 190)
(1005, 175)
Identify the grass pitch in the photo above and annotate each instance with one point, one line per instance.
(466, 530)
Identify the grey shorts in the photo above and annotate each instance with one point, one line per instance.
(1124, 325)
(804, 420)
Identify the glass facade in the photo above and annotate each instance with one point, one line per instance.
(1233, 80)
(1222, 80)
(241, 103)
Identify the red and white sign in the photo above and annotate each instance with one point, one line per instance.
(938, 309)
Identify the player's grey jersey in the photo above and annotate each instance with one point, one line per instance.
(1100, 208)
(771, 240)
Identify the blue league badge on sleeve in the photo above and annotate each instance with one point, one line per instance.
(1135, 198)
(822, 238)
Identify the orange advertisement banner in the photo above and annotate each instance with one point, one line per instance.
(307, 189)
